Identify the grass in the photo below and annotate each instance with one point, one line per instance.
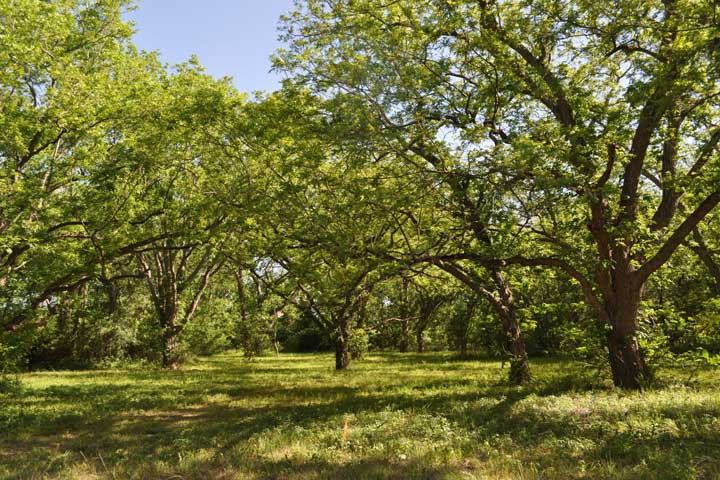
(391, 416)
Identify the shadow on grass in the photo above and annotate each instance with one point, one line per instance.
(365, 469)
(140, 424)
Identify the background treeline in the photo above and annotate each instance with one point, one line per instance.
(432, 175)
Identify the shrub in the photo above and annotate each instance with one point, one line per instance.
(359, 343)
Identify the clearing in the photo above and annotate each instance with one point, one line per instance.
(390, 416)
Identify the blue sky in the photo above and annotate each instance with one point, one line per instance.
(230, 37)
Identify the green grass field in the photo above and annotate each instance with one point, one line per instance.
(390, 416)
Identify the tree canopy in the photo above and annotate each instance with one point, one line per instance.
(508, 177)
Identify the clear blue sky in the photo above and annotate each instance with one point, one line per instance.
(230, 37)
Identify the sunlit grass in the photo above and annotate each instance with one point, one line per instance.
(390, 416)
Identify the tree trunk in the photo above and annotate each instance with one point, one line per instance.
(626, 360)
(504, 305)
(342, 355)
(428, 305)
(405, 340)
(240, 279)
(170, 332)
(113, 295)
(420, 340)
(404, 317)
(170, 358)
(463, 346)
(342, 351)
(243, 332)
(519, 366)
(626, 357)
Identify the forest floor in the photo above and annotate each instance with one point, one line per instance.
(391, 416)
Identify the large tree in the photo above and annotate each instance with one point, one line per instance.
(596, 119)
(105, 156)
(69, 82)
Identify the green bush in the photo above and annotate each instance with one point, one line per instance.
(9, 384)
(210, 330)
(12, 356)
(359, 343)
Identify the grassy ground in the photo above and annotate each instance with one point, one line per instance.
(391, 416)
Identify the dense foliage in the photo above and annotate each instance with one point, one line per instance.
(505, 178)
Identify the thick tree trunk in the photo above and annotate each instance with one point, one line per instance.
(170, 358)
(427, 308)
(626, 360)
(342, 351)
(342, 355)
(170, 333)
(113, 296)
(626, 357)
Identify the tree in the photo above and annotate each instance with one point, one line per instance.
(103, 155)
(591, 117)
(67, 71)
(382, 80)
(173, 272)
(326, 218)
(181, 233)
(427, 304)
(410, 301)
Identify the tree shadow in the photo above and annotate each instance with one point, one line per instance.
(130, 424)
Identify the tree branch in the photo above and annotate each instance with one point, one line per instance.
(674, 241)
